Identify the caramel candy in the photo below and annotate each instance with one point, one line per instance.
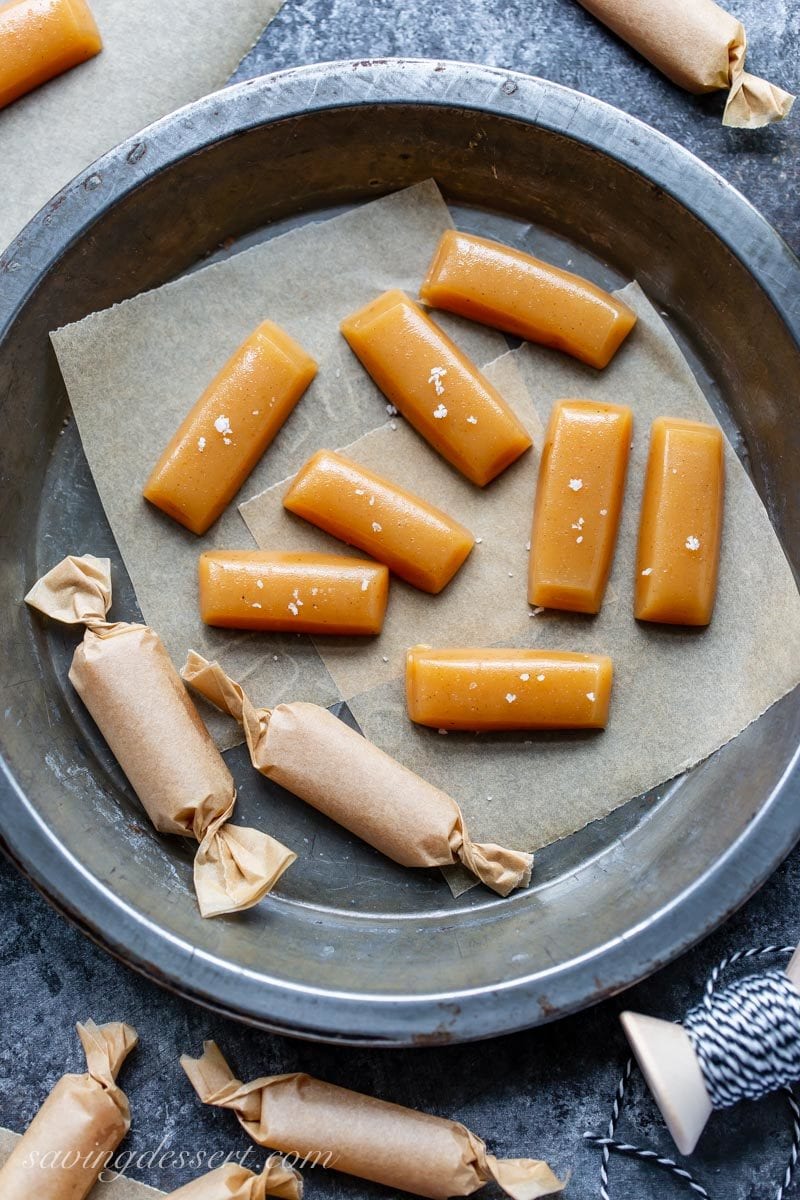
(578, 504)
(74, 1135)
(418, 542)
(513, 291)
(231, 425)
(292, 593)
(458, 688)
(680, 524)
(436, 387)
(401, 1148)
(40, 39)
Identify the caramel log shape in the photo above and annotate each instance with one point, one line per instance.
(578, 504)
(680, 527)
(436, 387)
(291, 592)
(40, 39)
(310, 752)
(74, 1134)
(126, 680)
(496, 285)
(220, 441)
(373, 1139)
(477, 689)
(418, 542)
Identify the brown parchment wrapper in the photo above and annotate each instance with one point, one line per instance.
(360, 1135)
(234, 1182)
(74, 1134)
(127, 681)
(699, 46)
(309, 751)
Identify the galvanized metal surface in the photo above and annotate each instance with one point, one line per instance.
(368, 952)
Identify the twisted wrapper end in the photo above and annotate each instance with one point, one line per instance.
(77, 591)
(106, 1047)
(521, 1178)
(752, 102)
(235, 867)
(209, 679)
(499, 868)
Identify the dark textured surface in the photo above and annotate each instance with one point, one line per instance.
(532, 1093)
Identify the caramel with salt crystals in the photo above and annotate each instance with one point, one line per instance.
(478, 689)
(418, 542)
(578, 504)
(499, 286)
(436, 387)
(291, 592)
(681, 524)
(40, 39)
(237, 417)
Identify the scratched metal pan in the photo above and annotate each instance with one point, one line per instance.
(350, 947)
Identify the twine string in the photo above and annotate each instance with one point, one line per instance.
(747, 1039)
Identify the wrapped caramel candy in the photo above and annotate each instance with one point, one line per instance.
(73, 1136)
(126, 679)
(373, 1139)
(309, 751)
(701, 48)
(233, 1182)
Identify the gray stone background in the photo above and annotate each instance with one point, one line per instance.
(532, 1093)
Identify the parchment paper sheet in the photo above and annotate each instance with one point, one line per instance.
(157, 55)
(133, 371)
(699, 46)
(678, 694)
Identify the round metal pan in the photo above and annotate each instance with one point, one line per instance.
(349, 947)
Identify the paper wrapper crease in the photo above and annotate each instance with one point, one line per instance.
(699, 46)
(78, 1127)
(128, 683)
(309, 751)
(360, 1135)
(233, 1182)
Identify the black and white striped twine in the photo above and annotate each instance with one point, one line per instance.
(747, 1040)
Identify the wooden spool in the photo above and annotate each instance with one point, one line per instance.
(668, 1062)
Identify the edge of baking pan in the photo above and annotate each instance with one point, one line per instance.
(402, 1020)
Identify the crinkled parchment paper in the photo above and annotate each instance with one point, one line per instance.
(133, 371)
(157, 55)
(678, 694)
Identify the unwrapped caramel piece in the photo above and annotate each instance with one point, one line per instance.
(234, 1182)
(292, 592)
(40, 39)
(418, 542)
(231, 425)
(436, 387)
(480, 689)
(310, 752)
(699, 46)
(680, 527)
(399, 1147)
(73, 1136)
(126, 679)
(578, 504)
(513, 291)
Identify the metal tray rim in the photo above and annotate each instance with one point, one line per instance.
(393, 1020)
